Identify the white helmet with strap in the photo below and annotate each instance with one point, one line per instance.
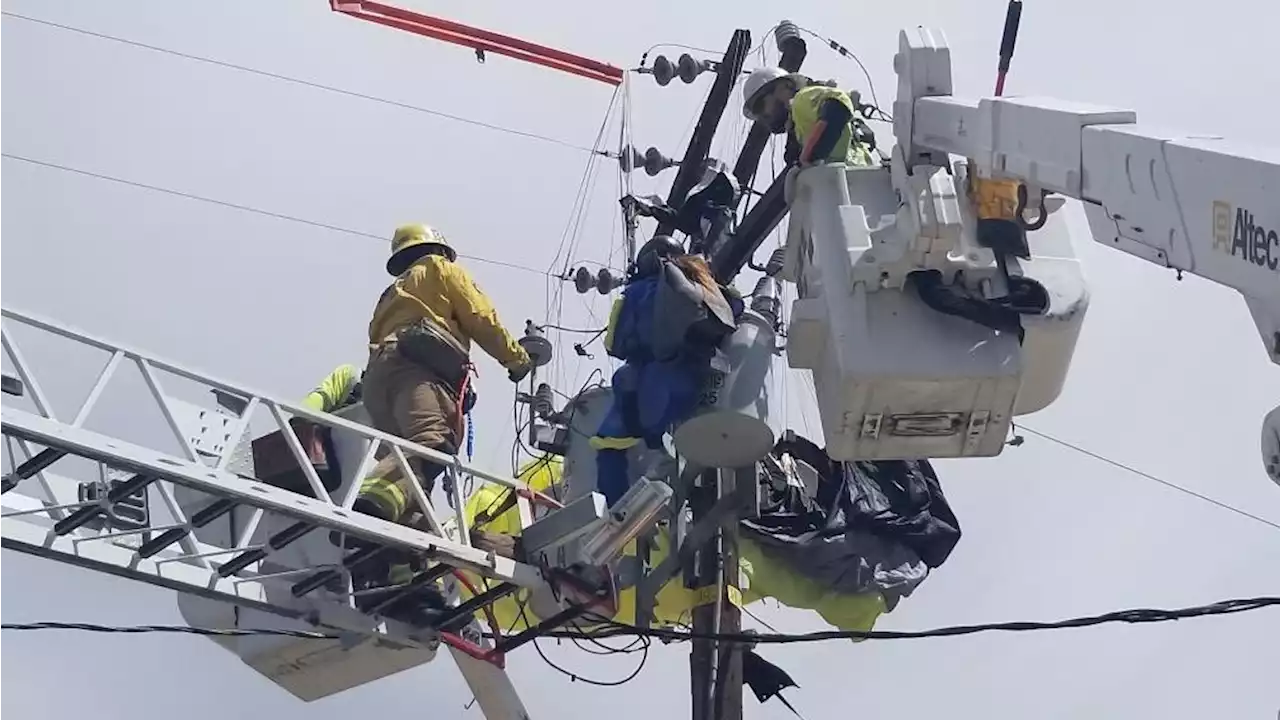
(760, 83)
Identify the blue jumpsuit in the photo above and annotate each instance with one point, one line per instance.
(649, 394)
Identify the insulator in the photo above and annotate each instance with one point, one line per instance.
(606, 281)
(543, 401)
(583, 280)
(776, 261)
(630, 158)
(786, 32)
(663, 70)
(655, 162)
(688, 69)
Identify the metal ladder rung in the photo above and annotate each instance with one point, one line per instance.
(478, 602)
(401, 592)
(276, 542)
(202, 517)
(42, 460)
(324, 577)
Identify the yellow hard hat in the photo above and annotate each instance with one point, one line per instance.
(411, 236)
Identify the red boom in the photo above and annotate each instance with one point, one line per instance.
(478, 39)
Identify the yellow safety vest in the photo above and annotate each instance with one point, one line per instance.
(805, 113)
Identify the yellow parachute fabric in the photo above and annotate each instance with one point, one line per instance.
(761, 577)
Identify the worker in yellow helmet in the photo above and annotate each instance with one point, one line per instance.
(417, 383)
(823, 119)
(340, 389)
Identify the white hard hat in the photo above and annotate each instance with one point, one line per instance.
(757, 84)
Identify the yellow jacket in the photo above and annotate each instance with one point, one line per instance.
(333, 392)
(763, 577)
(447, 295)
(806, 109)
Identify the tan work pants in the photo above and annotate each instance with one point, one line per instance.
(407, 400)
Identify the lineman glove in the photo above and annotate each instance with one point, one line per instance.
(519, 373)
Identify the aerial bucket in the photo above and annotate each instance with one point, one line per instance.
(307, 668)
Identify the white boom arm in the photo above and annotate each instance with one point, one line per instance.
(1192, 203)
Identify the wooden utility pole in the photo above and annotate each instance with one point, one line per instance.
(715, 668)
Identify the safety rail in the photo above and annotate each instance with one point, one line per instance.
(50, 515)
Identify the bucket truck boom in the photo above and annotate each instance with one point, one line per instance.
(1194, 203)
(896, 378)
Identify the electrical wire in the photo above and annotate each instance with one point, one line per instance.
(617, 629)
(1149, 476)
(178, 629)
(847, 53)
(595, 151)
(248, 208)
(1136, 616)
(574, 677)
(306, 83)
(594, 331)
(571, 235)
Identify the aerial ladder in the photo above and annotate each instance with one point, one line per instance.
(885, 259)
(243, 553)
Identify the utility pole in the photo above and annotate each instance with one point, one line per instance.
(715, 668)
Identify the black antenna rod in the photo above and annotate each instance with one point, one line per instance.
(1012, 17)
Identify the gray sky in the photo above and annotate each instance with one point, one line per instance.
(1169, 376)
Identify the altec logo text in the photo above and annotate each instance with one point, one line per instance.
(1236, 234)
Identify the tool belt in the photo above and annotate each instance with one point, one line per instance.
(429, 346)
(433, 348)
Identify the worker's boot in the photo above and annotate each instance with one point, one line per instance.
(381, 578)
(425, 606)
(369, 582)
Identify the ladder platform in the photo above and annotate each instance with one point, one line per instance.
(199, 522)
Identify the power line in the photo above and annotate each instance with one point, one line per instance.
(249, 209)
(308, 83)
(616, 629)
(179, 629)
(1137, 616)
(1153, 478)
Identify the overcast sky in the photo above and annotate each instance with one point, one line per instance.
(1169, 377)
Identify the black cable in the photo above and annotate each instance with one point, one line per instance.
(617, 629)
(1137, 616)
(148, 629)
(636, 645)
(846, 52)
(249, 209)
(574, 677)
(306, 83)
(595, 331)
